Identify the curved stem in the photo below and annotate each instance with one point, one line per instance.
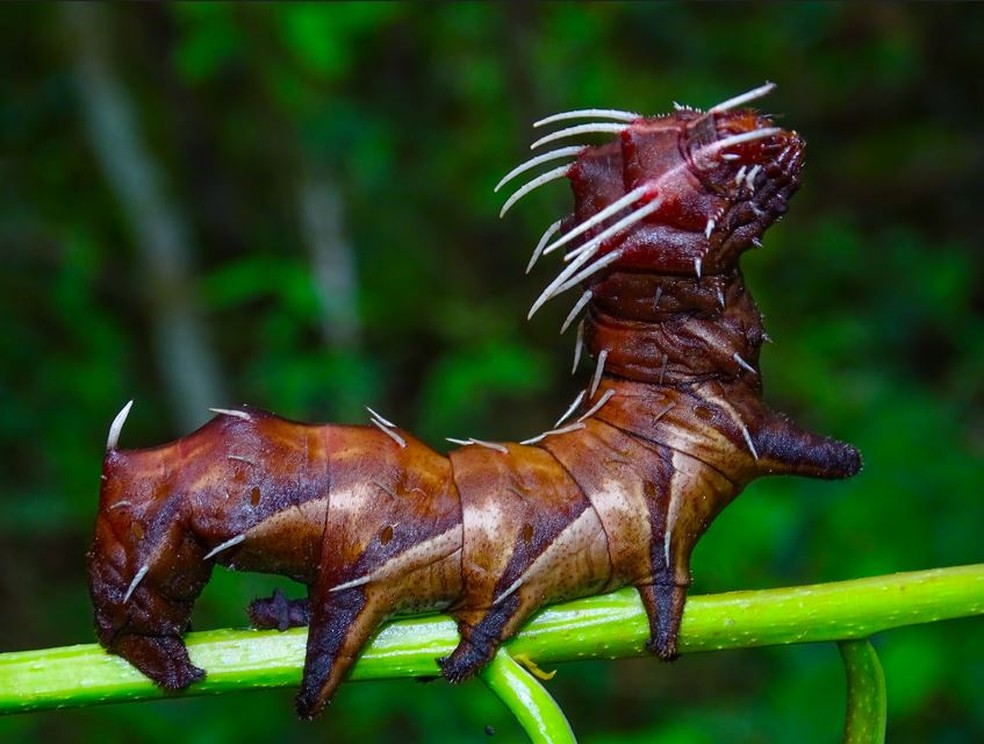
(534, 708)
(866, 698)
(610, 626)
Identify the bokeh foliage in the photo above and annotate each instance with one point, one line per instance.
(873, 288)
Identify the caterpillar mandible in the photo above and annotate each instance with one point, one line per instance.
(669, 429)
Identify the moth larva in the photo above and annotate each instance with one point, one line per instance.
(670, 428)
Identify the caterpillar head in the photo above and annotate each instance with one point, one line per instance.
(696, 188)
(682, 194)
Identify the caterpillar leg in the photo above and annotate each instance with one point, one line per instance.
(341, 624)
(278, 612)
(162, 658)
(391, 542)
(480, 638)
(530, 537)
(663, 600)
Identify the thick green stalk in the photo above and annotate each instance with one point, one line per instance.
(867, 701)
(609, 626)
(537, 712)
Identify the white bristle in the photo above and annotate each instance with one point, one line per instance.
(491, 445)
(741, 100)
(138, 577)
(351, 584)
(593, 128)
(116, 428)
(576, 310)
(587, 251)
(570, 410)
(616, 206)
(737, 139)
(748, 440)
(585, 274)
(390, 433)
(599, 371)
(550, 175)
(533, 162)
(578, 344)
(750, 178)
(232, 412)
(605, 397)
(626, 222)
(380, 419)
(742, 363)
(544, 239)
(589, 113)
(224, 546)
(565, 429)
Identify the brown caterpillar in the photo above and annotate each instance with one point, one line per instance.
(670, 428)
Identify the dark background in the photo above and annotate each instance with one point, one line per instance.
(292, 206)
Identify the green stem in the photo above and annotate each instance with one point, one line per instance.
(866, 698)
(537, 712)
(609, 626)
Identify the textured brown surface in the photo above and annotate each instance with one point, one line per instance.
(374, 522)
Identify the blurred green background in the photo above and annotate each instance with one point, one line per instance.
(292, 206)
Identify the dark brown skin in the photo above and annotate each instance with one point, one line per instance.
(374, 522)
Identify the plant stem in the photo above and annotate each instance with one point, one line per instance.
(537, 712)
(866, 698)
(610, 626)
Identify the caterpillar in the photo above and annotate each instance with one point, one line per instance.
(670, 427)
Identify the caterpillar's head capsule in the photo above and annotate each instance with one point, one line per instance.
(681, 194)
(705, 184)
